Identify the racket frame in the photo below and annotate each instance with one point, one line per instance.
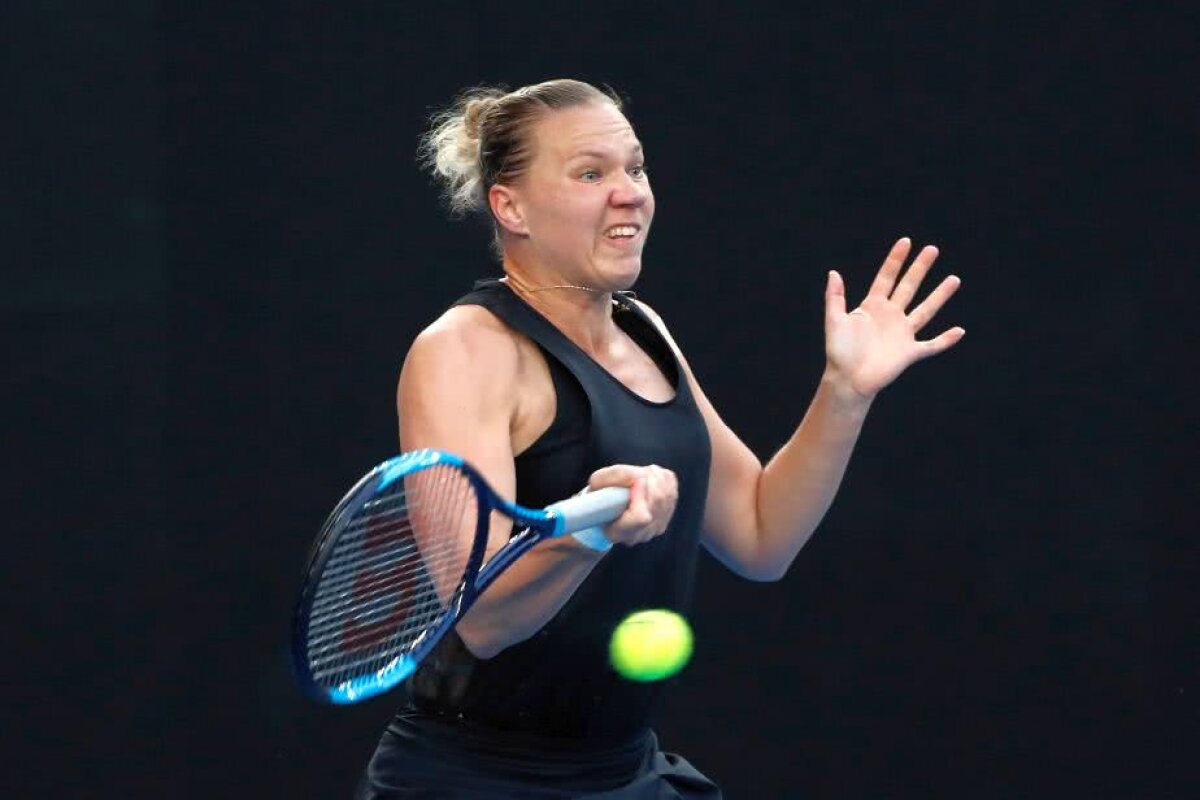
(534, 526)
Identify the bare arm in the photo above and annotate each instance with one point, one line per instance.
(757, 518)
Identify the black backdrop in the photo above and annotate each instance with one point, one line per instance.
(217, 246)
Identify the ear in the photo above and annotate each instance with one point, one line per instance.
(506, 208)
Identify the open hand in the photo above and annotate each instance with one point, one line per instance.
(869, 347)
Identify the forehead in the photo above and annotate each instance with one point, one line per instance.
(596, 127)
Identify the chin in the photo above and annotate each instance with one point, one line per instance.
(625, 280)
(624, 274)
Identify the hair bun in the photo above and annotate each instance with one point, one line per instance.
(451, 148)
(474, 111)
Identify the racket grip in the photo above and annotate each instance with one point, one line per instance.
(590, 508)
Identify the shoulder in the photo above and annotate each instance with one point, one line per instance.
(466, 345)
(467, 331)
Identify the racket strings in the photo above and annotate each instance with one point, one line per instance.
(332, 624)
(345, 566)
(393, 573)
(369, 582)
(346, 563)
(356, 642)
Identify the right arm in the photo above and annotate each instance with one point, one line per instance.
(458, 392)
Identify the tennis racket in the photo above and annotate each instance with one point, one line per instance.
(400, 560)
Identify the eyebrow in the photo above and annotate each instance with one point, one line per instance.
(637, 150)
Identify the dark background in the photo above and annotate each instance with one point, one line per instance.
(216, 246)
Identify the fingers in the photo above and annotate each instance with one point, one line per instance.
(615, 475)
(942, 342)
(919, 317)
(653, 492)
(906, 290)
(885, 279)
(657, 496)
(638, 514)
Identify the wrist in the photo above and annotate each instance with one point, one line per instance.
(842, 392)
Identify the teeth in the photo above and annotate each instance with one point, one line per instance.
(621, 230)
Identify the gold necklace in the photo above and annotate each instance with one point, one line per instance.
(520, 284)
(517, 283)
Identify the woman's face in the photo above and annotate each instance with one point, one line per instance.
(585, 200)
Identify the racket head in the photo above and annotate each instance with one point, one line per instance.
(386, 577)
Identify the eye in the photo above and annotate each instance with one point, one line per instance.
(638, 172)
(590, 175)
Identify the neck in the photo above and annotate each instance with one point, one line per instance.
(583, 313)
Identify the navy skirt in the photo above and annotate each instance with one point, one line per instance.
(428, 758)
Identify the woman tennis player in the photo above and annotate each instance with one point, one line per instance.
(554, 378)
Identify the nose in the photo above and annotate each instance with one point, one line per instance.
(630, 192)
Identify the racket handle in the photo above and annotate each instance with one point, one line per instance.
(591, 508)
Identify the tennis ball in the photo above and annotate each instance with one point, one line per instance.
(650, 645)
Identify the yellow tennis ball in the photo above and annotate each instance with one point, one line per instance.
(651, 645)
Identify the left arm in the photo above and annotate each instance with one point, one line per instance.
(757, 518)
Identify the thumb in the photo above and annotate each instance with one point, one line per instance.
(835, 295)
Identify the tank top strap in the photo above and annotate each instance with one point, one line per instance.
(516, 313)
(500, 300)
(651, 339)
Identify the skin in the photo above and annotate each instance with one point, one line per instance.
(473, 386)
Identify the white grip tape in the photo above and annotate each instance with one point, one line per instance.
(593, 539)
(585, 513)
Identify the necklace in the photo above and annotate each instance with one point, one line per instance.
(517, 283)
(520, 284)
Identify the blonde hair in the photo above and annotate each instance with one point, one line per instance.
(484, 138)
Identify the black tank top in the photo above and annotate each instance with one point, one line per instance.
(559, 682)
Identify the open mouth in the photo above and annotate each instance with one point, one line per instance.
(622, 232)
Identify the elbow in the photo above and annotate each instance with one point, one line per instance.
(758, 569)
(480, 641)
(766, 573)
(752, 563)
(485, 641)
(766, 563)
(772, 558)
(481, 649)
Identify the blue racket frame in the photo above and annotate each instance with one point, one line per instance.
(536, 526)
